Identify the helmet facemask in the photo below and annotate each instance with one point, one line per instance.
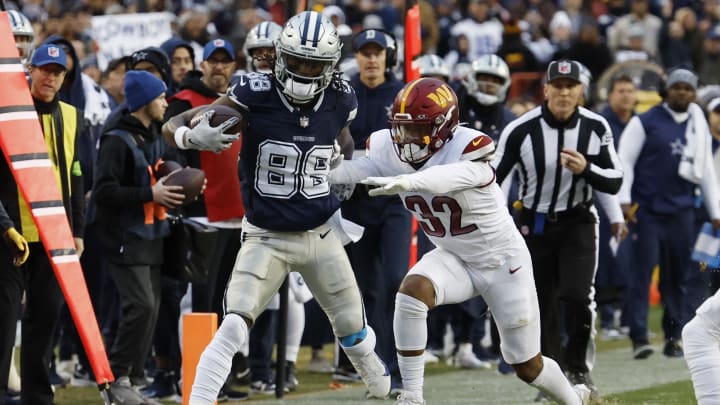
(302, 88)
(415, 140)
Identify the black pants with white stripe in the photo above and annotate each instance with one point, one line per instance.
(564, 262)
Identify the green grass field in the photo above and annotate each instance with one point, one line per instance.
(621, 380)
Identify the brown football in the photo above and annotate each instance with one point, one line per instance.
(222, 114)
(167, 167)
(191, 180)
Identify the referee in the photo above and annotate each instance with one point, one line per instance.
(562, 152)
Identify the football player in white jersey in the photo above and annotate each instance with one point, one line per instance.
(701, 341)
(442, 173)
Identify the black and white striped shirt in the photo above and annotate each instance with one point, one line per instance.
(532, 144)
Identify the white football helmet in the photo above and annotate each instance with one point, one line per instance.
(433, 66)
(310, 41)
(488, 93)
(262, 35)
(23, 32)
(586, 80)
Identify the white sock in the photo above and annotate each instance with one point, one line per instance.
(216, 360)
(553, 382)
(412, 369)
(295, 328)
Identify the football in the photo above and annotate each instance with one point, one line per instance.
(191, 180)
(167, 167)
(222, 114)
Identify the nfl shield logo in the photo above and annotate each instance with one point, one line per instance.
(218, 42)
(304, 122)
(564, 67)
(53, 52)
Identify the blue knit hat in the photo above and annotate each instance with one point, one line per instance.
(141, 88)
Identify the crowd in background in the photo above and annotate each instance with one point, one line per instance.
(626, 47)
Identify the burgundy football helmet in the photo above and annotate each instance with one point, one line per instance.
(423, 118)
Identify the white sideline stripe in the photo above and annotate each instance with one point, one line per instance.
(43, 212)
(66, 259)
(27, 164)
(18, 115)
(12, 68)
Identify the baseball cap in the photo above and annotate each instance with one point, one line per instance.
(218, 44)
(563, 69)
(371, 36)
(682, 76)
(48, 54)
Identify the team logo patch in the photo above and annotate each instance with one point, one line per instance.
(219, 42)
(564, 68)
(53, 52)
(304, 121)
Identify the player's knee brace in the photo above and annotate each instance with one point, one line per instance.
(410, 323)
(355, 347)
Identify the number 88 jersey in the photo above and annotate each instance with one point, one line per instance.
(286, 149)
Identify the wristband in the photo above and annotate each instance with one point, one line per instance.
(180, 137)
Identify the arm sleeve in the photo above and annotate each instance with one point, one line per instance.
(611, 205)
(114, 158)
(452, 177)
(352, 171)
(5, 221)
(629, 148)
(604, 173)
(176, 107)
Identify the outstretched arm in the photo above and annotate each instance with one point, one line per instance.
(202, 136)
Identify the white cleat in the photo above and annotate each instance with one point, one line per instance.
(429, 357)
(409, 398)
(465, 358)
(583, 392)
(374, 373)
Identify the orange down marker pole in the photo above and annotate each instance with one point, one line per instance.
(198, 330)
(23, 145)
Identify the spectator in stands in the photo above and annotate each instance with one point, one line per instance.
(560, 32)
(589, 50)
(634, 49)
(182, 59)
(680, 40)
(113, 80)
(482, 29)
(709, 72)
(514, 51)
(618, 33)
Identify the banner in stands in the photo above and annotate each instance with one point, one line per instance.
(122, 34)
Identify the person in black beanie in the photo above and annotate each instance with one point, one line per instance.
(154, 60)
(131, 210)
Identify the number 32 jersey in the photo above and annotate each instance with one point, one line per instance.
(286, 150)
(468, 217)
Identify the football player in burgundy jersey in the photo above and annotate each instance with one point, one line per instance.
(291, 120)
(442, 173)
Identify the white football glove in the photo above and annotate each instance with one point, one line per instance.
(387, 185)
(206, 137)
(337, 156)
